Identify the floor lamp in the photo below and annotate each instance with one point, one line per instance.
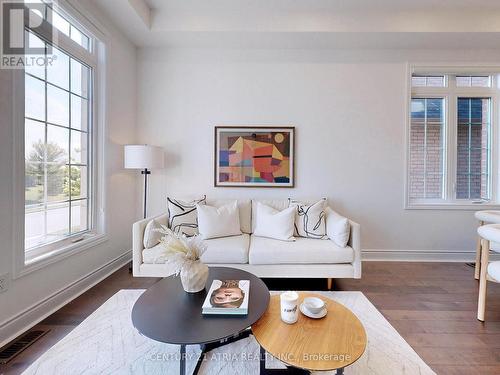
(145, 158)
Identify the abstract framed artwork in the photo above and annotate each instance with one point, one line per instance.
(254, 156)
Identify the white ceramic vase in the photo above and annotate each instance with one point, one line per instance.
(194, 276)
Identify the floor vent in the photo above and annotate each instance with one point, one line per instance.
(9, 351)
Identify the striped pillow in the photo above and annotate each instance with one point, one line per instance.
(310, 219)
(182, 216)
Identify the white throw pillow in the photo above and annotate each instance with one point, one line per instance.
(275, 224)
(182, 217)
(277, 204)
(151, 236)
(215, 222)
(310, 219)
(337, 227)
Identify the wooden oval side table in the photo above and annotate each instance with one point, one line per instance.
(331, 343)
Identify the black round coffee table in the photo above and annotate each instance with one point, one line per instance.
(166, 313)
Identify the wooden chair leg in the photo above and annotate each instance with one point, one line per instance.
(330, 283)
(477, 269)
(481, 304)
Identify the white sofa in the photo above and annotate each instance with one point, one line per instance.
(264, 257)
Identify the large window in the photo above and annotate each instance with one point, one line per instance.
(450, 140)
(58, 134)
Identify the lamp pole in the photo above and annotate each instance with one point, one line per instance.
(145, 172)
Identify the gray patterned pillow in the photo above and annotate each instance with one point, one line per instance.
(182, 216)
(310, 219)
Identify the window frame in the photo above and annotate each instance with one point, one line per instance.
(58, 250)
(451, 92)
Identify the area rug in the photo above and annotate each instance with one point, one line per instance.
(107, 343)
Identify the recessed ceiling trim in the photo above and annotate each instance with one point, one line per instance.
(142, 10)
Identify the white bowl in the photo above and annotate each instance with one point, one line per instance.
(314, 304)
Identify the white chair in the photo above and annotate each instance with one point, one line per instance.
(489, 271)
(484, 217)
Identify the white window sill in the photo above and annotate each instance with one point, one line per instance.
(453, 206)
(43, 260)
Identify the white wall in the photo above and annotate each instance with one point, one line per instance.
(28, 291)
(348, 108)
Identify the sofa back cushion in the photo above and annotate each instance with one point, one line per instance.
(244, 207)
(277, 204)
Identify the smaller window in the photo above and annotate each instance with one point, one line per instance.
(67, 28)
(428, 81)
(473, 81)
(451, 145)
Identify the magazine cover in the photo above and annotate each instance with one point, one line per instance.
(227, 296)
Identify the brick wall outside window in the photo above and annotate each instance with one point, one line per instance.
(432, 186)
(426, 149)
(472, 162)
(426, 152)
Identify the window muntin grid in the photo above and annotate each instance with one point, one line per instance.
(428, 81)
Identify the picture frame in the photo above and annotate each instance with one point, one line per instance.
(254, 156)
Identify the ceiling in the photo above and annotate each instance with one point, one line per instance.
(451, 24)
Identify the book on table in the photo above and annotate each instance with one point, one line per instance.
(227, 297)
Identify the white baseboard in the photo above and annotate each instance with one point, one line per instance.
(421, 255)
(31, 316)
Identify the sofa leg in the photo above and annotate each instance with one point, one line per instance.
(330, 283)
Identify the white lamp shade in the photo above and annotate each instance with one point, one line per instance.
(143, 156)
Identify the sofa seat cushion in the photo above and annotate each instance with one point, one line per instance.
(232, 249)
(153, 255)
(301, 251)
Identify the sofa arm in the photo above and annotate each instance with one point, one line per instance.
(355, 243)
(138, 240)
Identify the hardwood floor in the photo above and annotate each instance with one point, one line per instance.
(432, 305)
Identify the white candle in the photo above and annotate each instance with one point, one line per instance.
(289, 302)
